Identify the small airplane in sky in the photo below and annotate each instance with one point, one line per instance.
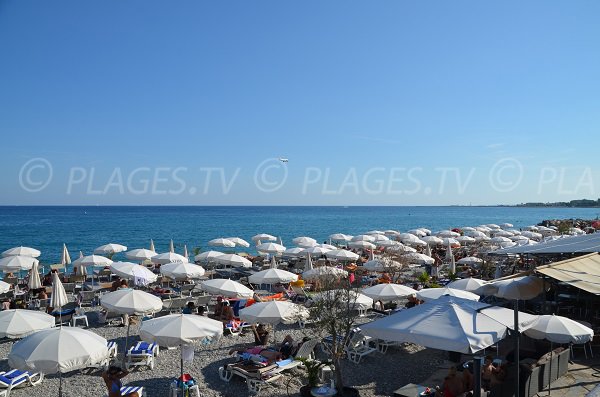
(283, 160)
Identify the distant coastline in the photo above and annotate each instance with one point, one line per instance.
(582, 203)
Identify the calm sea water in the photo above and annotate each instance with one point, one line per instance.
(84, 228)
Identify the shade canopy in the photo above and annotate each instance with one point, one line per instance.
(92, 260)
(559, 329)
(34, 281)
(264, 237)
(274, 312)
(304, 242)
(435, 293)
(380, 265)
(388, 291)
(140, 254)
(131, 301)
(182, 271)
(226, 287)
(55, 350)
(272, 276)
(270, 248)
(17, 263)
(208, 256)
(239, 242)
(356, 299)
(467, 284)
(582, 272)
(140, 275)
(417, 258)
(109, 249)
(469, 260)
(18, 323)
(4, 287)
(180, 329)
(587, 243)
(447, 323)
(221, 242)
(342, 255)
(22, 251)
(315, 251)
(518, 288)
(58, 296)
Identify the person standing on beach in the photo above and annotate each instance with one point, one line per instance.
(112, 377)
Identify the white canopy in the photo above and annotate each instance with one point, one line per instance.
(417, 258)
(239, 242)
(182, 271)
(447, 323)
(61, 349)
(34, 281)
(221, 242)
(226, 287)
(340, 237)
(435, 293)
(58, 296)
(92, 260)
(274, 312)
(272, 276)
(168, 257)
(324, 271)
(362, 245)
(381, 265)
(17, 263)
(295, 251)
(270, 248)
(467, 284)
(357, 299)
(315, 251)
(342, 255)
(18, 323)
(264, 237)
(469, 260)
(518, 288)
(304, 242)
(363, 237)
(131, 301)
(559, 329)
(5, 287)
(208, 256)
(180, 329)
(388, 292)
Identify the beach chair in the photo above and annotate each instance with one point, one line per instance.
(300, 295)
(203, 301)
(132, 389)
(142, 354)
(112, 350)
(15, 378)
(86, 298)
(358, 347)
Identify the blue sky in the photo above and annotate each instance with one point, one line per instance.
(374, 103)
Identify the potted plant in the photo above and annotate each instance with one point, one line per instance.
(312, 371)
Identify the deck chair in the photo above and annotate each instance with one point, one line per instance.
(86, 297)
(300, 295)
(358, 347)
(112, 349)
(15, 378)
(203, 301)
(142, 354)
(131, 389)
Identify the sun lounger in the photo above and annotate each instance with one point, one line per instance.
(15, 378)
(142, 354)
(112, 349)
(358, 347)
(132, 389)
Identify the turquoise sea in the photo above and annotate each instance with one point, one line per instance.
(84, 228)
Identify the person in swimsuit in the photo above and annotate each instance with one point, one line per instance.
(112, 377)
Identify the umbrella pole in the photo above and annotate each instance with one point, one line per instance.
(477, 378)
(126, 341)
(60, 384)
(550, 382)
(517, 347)
(181, 378)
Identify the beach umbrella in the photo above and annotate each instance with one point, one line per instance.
(446, 241)
(452, 260)
(400, 249)
(416, 232)
(140, 254)
(465, 239)
(227, 288)
(363, 237)
(432, 240)
(532, 235)
(233, 260)
(65, 258)
(131, 302)
(364, 245)
(375, 232)
(58, 296)
(207, 256)
(22, 251)
(327, 246)
(435, 293)
(380, 238)
(388, 291)
(304, 242)
(411, 239)
(448, 323)
(506, 225)
(182, 271)
(387, 243)
(270, 248)
(239, 242)
(469, 284)
(449, 253)
(185, 252)
(263, 237)
(272, 276)
(168, 257)
(340, 237)
(296, 251)
(502, 233)
(274, 312)
(324, 272)
(110, 249)
(357, 299)
(317, 251)
(180, 330)
(342, 255)
(420, 259)
(93, 260)
(34, 281)
(151, 247)
(500, 240)
(308, 265)
(391, 232)
(171, 247)
(82, 269)
(221, 242)
(18, 323)
(428, 250)
(447, 233)
(380, 265)
(4, 287)
(140, 275)
(17, 263)
(470, 260)
(558, 329)
(59, 350)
